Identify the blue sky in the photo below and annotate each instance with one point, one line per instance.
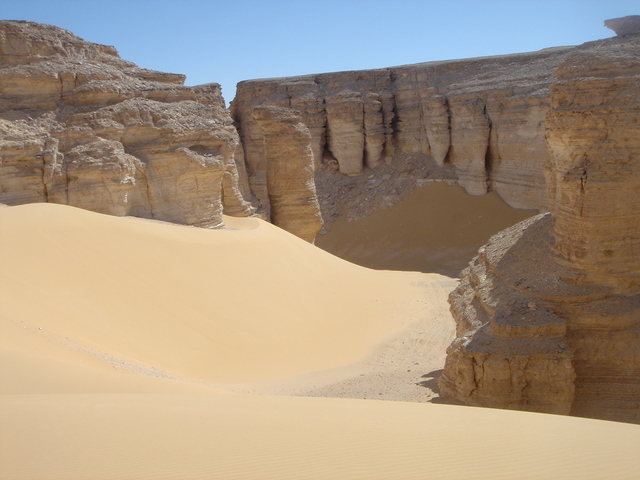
(233, 40)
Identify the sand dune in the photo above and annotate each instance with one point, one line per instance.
(114, 436)
(124, 342)
(244, 304)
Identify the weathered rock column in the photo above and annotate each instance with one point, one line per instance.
(290, 171)
(594, 194)
(435, 111)
(470, 133)
(345, 128)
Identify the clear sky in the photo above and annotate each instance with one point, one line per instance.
(226, 41)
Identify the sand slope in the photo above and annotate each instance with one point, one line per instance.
(120, 340)
(249, 303)
(438, 228)
(113, 436)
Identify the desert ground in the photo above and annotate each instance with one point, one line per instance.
(139, 349)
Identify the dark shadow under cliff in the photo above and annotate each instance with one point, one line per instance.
(437, 229)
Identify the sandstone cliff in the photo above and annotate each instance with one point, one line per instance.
(548, 313)
(81, 126)
(479, 121)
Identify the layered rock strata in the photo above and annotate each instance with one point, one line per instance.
(289, 171)
(548, 313)
(81, 126)
(483, 117)
(511, 350)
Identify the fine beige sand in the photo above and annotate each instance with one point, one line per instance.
(138, 349)
(442, 237)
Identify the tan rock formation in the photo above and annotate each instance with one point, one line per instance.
(345, 128)
(625, 25)
(511, 350)
(484, 116)
(290, 168)
(435, 111)
(549, 312)
(470, 130)
(81, 126)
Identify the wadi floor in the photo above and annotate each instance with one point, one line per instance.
(133, 349)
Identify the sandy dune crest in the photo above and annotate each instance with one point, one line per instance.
(246, 304)
(123, 342)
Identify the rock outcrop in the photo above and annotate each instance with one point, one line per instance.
(290, 171)
(625, 25)
(81, 126)
(548, 313)
(484, 118)
(511, 350)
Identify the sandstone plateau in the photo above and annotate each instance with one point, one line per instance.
(548, 313)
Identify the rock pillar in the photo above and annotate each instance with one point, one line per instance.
(290, 171)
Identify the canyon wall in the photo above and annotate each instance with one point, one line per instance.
(480, 122)
(81, 126)
(548, 313)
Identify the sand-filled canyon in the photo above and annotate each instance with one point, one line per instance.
(327, 280)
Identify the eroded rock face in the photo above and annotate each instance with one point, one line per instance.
(561, 293)
(290, 171)
(594, 176)
(482, 117)
(625, 25)
(511, 350)
(470, 130)
(81, 126)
